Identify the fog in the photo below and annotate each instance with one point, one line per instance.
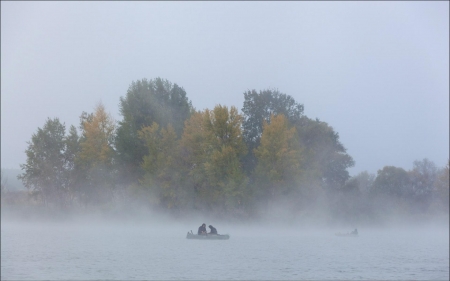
(278, 217)
(352, 131)
(376, 71)
(278, 223)
(144, 244)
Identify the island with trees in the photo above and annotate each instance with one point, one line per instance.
(166, 156)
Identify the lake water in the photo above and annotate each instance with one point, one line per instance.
(140, 251)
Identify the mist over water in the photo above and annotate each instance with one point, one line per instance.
(155, 248)
(258, 140)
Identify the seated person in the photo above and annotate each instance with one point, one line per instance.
(213, 230)
(202, 230)
(354, 231)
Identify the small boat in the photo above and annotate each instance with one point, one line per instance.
(347, 234)
(208, 236)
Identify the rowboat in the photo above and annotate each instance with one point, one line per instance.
(208, 236)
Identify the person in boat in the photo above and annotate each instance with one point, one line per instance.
(202, 230)
(354, 232)
(213, 230)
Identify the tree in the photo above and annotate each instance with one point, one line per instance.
(326, 160)
(147, 101)
(163, 176)
(192, 156)
(224, 128)
(225, 149)
(212, 147)
(392, 181)
(279, 158)
(72, 144)
(423, 177)
(364, 181)
(96, 155)
(391, 192)
(4, 182)
(192, 144)
(259, 107)
(153, 140)
(45, 170)
(97, 138)
(325, 156)
(441, 188)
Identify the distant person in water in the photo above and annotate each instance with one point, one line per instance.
(213, 230)
(202, 230)
(355, 232)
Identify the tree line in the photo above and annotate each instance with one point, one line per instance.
(167, 155)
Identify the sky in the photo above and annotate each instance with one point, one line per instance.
(377, 72)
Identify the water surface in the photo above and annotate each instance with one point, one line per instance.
(144, 251)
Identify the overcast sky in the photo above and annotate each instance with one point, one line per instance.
(377, 72)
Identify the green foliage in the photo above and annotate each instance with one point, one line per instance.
(224, 129)
(212, 147)
(73, 147)
(157, 100)
(222, 164)
(162, 173)
(325, 156)
(258, 107)
(152, 138)
(71, 153)
(193, 142)
(169, 156)
(46, 168)
(392, 181)
(148, 101)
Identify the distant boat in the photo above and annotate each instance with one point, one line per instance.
(350, 234)
(208, 236)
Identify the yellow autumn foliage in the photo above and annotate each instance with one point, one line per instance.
(98, 133)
